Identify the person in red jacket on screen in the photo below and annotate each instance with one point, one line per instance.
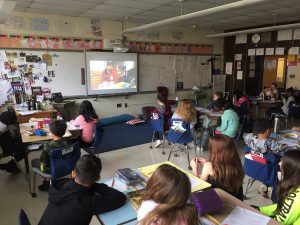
(109, 75)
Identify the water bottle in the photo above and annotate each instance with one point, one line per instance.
(276, 119)
(176, 99)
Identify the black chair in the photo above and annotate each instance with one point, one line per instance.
(23, 219)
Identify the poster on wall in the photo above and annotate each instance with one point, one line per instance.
(38, 24)
(96, 27)
(228, 68)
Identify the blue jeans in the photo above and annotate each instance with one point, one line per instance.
(201, 142)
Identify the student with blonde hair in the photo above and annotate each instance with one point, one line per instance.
(164, 201)
(224, 168)
(186, 111)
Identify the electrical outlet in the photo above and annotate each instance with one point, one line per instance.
(125, 105)
(119, 105)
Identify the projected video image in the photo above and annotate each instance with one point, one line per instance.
(112, 75)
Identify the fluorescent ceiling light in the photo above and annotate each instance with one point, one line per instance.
(205, 12)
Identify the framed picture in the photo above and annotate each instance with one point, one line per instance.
(36, 91)
(39, 98)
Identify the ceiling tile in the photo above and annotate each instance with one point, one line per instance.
(114, 8)
(55, 12)
(133, 4)
(196, 5)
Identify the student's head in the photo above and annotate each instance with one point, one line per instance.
(87, 110)
(262, 127)
(58, 128)
(186, 110)
(289, 92)
(273, 86)
(8, 118)
(227, 106)
(171, 189)
(290, 168)
(217, 95)
(226, 162)
(237, 94)
(162, 97)
(87, 170)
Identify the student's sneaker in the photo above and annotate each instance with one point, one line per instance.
(158, 143)
(263, 190)
(45, 186)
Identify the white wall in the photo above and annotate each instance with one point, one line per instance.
(113, 30)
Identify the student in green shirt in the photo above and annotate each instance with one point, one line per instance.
(58, 129)
(287, 210)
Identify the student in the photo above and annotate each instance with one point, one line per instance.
(166, 111)
(224, 168)
(286, 100)
(218, 102)
(87, 120)
(161, 202)
(241, 104)
(260, 142)
(271, 92)
(58, 129)
(229, 122)
(286, 211)
(74, 201)
(186, 112)
(10, 141)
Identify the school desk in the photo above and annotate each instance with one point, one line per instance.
(265, 104)
(24, 117)
(230, 202)
(27, 140)
(127, 213)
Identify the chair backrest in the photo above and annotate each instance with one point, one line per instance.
(157, 122)
(23, 219)
(98, 134)
(179, 132)
(63, 160)
(263, 167)
(294, 109)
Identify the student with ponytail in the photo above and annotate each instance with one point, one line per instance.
(165, 199)
(287, 210)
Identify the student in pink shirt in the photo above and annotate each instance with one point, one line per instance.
(87, 120)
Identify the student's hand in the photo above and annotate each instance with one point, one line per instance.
(201, 160)
(194, 164)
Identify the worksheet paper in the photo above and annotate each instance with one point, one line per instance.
(241, 216)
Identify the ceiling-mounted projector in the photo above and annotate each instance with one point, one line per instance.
(119, 46)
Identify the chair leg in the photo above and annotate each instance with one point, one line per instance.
(286, 123)
(249, 185)
(188, 158)
(151, 146)
(164, 139)
(171, 152)
(33, 194)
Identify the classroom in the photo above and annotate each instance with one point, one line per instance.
(111, 108)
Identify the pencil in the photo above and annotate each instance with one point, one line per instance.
(214, 220)
(113, 182)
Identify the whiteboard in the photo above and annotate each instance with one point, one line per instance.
(166, 70)
(67, 71)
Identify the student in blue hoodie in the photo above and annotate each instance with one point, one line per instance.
(229, 122)
(74, 201)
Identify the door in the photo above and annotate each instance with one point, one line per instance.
(274, 71)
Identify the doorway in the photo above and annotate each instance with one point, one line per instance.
(274, 71)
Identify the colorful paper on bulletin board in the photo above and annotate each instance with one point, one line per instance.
(169, 48)
(49, 43)
(292, 60)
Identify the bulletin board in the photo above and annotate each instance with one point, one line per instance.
(167, 70)
(53, 71)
